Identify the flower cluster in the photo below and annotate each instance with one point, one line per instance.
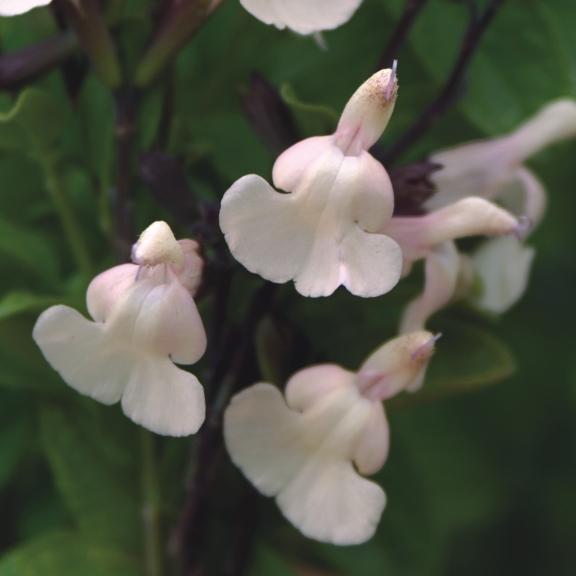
(328, 221)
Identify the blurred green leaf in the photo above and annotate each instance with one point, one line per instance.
(34, 123)
(100, 492)
(267, 562)
(15, 303)
(66, 554)
(313, 119)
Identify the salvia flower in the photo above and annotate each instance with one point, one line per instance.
(17, 7)
(303, 16)
(324, 229)
(144, 321)
(311, 448)
(491, 169)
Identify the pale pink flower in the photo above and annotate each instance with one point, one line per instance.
(17, 7)
(144, 321)
(311, 447)
(324, 229)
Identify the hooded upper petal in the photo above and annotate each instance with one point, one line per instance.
(16, 7)
(303, 16)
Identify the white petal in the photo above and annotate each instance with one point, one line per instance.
(263, 438)
(81, 352)
(108, 288)
(524, 195)
(330, 502)
(303, 16)
(292, 164)
(16, 7)
(164, 398)
(190, 273)
(264, 229)
(503, 265)
(169, 322)
(440, 280)
(372, 450)
(309, 386)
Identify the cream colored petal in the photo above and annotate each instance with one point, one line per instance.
(303, 16)
(265, 230)
(292, 164)
(330, 502)
(16, 7)
(164, 398)
(263, 438)
(169, 324)
(157, 245)
(108, 288)
(81, 352)
(372, 450)
(440, 281)
(367, 113)
(503, 265)
(309, 386)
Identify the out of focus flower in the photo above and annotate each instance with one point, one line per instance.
(303, 16)
(16, 7)
(311, 448)
(145, 319)
(326, 230)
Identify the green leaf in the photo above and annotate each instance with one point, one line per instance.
(98, 490)
(15, 303)
(33, 124)
(267, 562)
(66, 554)
(28, 250)
(313, 119)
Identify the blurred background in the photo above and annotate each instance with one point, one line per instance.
(482, 473)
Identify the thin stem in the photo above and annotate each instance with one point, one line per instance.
(151, 511)
(439, 106)
(67, 217)
(24, 65)
(126, 103)
(179, 25)
(412, 9)
(87, 20)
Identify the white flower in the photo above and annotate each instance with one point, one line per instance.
(325, 231)
(310, 448)
(16, 7)
(303, 16)
(145, 319)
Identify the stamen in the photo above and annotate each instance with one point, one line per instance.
(524, 227)
(426, 350)
(389, 90)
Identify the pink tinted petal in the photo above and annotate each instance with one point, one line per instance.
(440, 280)
(108, 288)
(372, 450)
(190, 273)
(17, 7)
(291, 165)
(309, 386)
(417, 235)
